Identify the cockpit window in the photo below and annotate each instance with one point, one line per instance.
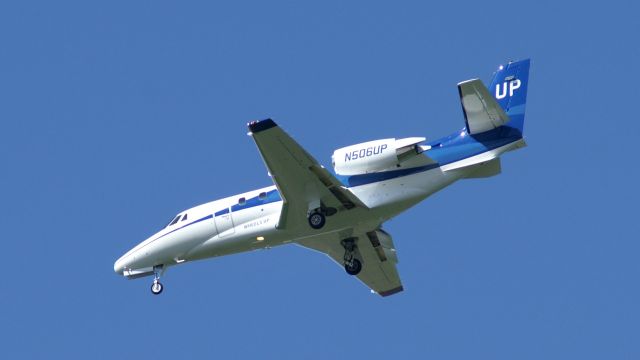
(184, 217)
(175, 220)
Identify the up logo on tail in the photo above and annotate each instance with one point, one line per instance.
(511, 83)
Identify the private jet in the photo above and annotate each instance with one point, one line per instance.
(341, 213)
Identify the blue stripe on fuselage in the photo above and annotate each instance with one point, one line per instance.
(222, 212)
(184, 226)
(270, 197)
(357, 180)
(455, 147)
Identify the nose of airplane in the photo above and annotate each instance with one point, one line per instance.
(118, 266)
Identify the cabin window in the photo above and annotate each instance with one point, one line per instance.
(262, 196)
(242, 201)
(184, 217)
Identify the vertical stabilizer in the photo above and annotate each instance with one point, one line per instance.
(509, 88)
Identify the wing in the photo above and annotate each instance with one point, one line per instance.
(481, 110)
(303, 183)
(375, 250)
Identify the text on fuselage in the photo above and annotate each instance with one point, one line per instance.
(365, 152)
(256, 223)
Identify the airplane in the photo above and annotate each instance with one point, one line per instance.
(341, 213)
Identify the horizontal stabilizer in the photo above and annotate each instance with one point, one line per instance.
(485, 170)
(484, 157)
(481, 111)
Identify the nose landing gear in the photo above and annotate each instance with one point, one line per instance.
(156, 286)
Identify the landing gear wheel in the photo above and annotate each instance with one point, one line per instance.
(156, 288)
(354, 267)
(316, 220)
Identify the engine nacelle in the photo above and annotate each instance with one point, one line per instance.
(373, 156)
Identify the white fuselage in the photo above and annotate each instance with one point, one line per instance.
(216, 228)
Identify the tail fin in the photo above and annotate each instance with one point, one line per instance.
(509, 87)
(501, 104)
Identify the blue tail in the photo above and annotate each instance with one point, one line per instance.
(509, 87)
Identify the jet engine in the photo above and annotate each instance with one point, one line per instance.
(375, 156)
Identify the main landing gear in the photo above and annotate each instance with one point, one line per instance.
(317, 217)
(316, 220)
(156, 286)
(352, 265)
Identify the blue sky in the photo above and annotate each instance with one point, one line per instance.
(116, 115)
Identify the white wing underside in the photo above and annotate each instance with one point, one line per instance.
(303, 184)
(379, 271)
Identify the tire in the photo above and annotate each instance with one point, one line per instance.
(316, 220)
(355, 268)
(156, 288)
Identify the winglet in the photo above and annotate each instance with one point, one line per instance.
(257, 126)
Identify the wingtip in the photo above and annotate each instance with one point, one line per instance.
(391, 292)
(261, 125)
